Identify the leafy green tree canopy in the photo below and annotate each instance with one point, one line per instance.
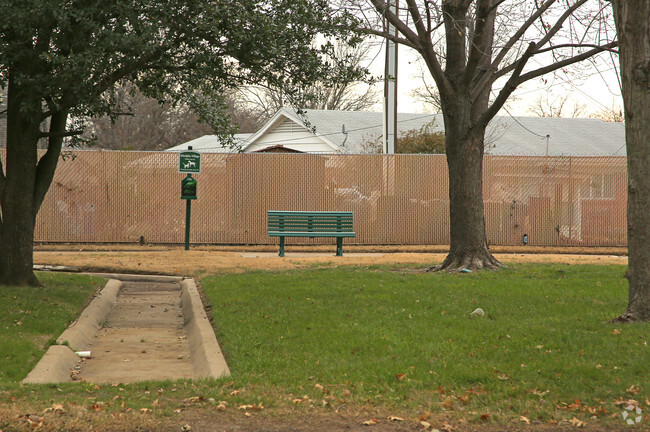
(63, 58)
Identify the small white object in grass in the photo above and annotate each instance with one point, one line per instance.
(478, 312)
(83, 354)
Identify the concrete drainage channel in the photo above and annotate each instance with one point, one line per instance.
(138, 328)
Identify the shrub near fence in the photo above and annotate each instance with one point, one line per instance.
(113, 196)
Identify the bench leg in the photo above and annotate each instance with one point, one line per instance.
(281, 247)
(339, 246)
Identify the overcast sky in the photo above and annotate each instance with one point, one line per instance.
(597, 88)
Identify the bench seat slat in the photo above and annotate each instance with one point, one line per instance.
(308, 213)
(305, 227)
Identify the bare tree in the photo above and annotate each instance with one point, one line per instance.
(426, 140)
(346, 94)
(613, 114)
(146, 124)
(428, 95)
(478, 52)
(634, 34)
(139, 122)
(556, 107)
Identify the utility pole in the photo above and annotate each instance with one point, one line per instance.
(390, 87)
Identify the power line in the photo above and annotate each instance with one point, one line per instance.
(332, 133)
(520, 124)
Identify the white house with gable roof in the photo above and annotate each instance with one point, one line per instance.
(350, 132)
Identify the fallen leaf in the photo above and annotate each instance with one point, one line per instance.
(447, 427)
(424, 416)
(503, 377)
(55, 408)
(393, 418)
(485, 417)
(400, 377)
(156, 403)
(234, 393)
(616, 332)
(222, 405)
(625, 402)
(193, 399)
(370, 422)
(448, 403)
(524, 419)
(425, 425)
(145, 410)
(257, 407)
(633, 389)
(577, 422)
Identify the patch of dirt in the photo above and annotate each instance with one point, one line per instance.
(199, 261)
(208, 419)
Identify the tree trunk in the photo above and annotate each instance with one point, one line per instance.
(464, 146)
(17, 199)
(634, 38)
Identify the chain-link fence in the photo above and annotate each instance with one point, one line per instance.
(111, 196)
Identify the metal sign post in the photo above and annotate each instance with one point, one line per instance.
(189, 162)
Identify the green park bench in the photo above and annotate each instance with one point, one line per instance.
(310, 224)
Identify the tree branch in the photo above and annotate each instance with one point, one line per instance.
(477, 44)
(47, 164)
(507, 90)
(3, 183)
(388, 36)
(417, 19)
(565, 62)
(384, 11)
(494, 66)
(60, 135)
(558, 24)
(554, 47)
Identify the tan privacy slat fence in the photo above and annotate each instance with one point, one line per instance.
(106, 196)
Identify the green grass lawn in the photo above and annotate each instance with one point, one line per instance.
(406, 341)
(368, 340)
(32, 318)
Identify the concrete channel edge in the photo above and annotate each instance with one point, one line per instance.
(59, 360)
(207, 358)
(55, 366)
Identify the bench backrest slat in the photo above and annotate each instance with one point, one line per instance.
(310, 221)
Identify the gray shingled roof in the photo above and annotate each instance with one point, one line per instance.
(209, 144)
(506, 135)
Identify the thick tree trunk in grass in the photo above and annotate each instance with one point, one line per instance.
(25, 183)
(456, 39)
(633, 29)
(465, 149)
(17, 226)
